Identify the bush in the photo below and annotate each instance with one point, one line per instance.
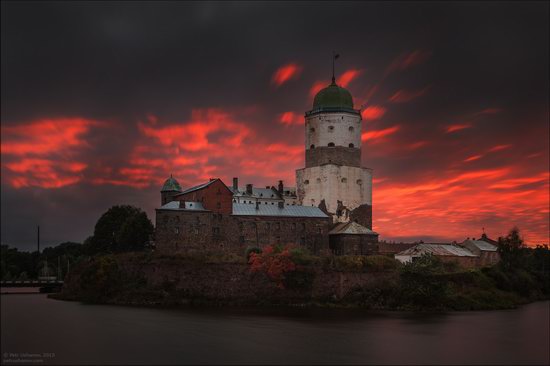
(249, 250)
(380, 263)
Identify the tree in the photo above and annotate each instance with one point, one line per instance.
(121, 229)
(511, 250)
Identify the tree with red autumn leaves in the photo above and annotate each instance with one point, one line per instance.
(277, 262)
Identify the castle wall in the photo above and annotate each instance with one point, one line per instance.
(352, 186)
(333, 155)
(341, 129)
(348, 244)
(181, 231)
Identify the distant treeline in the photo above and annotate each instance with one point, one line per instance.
(120, 229)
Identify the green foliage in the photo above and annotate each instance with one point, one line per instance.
(421, 285)
(361, 263)
(121, 229)
(511, 250)
(381, 263)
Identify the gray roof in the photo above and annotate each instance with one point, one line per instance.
(262, 193)
(352, 228)
(183, 206)
(483, 245)
(437, 249)
(245, 209)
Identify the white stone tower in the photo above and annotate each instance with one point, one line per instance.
(333, 178)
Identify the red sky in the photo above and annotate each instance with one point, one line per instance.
(457, 144)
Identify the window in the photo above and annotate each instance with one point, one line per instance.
(351, 145)
(312, 129)
(331, 144)
(268, 226)
(350, 128)
(330, 128)
(293, 226)
(344, 180)
(278, 226)
(359, 181)
(177, 230)
(215, 230)
(219, 205)
(303, 226)
(241, 239)
(318, 180)
(312, 147)
(306, 181)
(342, 117)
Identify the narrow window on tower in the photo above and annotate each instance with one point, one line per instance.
(312, 129)
(351, 145)
(331, 144)
(344, 180)
(330, 128)
(312, 147)
(350, 128)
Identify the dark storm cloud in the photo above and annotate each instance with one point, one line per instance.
(123, 63)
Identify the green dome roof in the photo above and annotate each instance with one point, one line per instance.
(171, 185)
(333, 96)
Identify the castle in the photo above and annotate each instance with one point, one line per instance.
(330, 211)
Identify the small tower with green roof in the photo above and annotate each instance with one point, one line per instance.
(170, 188)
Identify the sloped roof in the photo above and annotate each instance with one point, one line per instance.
(352, 228)
(200, 186)
(483, 245)
(438, 250)
(245, 209)
(266, 193)
(183, 206)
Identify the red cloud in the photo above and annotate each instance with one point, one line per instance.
(408, 60)
(348, 76)
(43, 153)
(373, 112)
(458, 127)
(286, 73)
(473, 158)
(291, 118)
(403, 96)
(499, 148)
(317, 86)
(452, 205)
(379, 134)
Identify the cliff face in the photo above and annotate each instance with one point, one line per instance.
(142, 279)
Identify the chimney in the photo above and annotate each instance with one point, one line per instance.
(257, 205)
(281, 187)
(281, 204)
(249, 189)
(235, 184)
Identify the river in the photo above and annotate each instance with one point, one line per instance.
(38, 330)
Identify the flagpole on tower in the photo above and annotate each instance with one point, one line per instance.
(334, 57)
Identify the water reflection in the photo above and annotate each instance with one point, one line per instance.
(80, 333)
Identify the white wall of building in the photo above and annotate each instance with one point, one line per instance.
(341, 129)
(351, 185)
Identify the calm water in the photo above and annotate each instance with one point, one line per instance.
(99, 334)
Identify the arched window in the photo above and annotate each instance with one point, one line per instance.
(330, 128)
(331, 144)
(350, 128)
(359, 181)
(344, 180)
(312, 147)
(351, 145)
(306, 181)
(312, 129)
